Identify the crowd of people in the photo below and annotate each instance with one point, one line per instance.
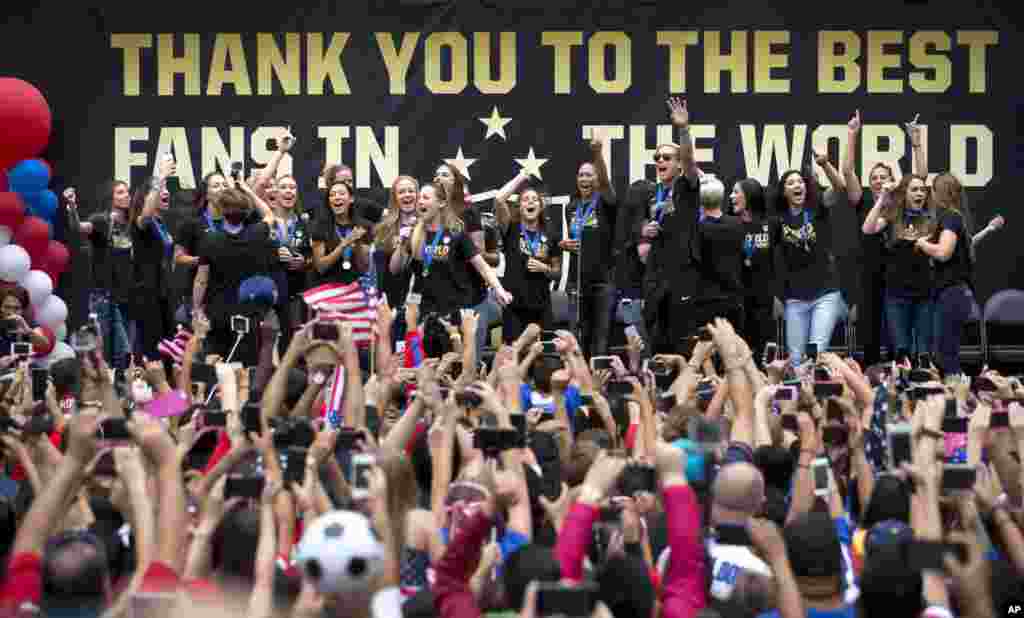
(322, 427)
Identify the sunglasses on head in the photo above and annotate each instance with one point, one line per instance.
(661, 156)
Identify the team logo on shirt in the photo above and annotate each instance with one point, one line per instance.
(803, 236)
(759, 241)
(541, 248)
(439, 252)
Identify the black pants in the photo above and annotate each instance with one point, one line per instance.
(514, 320)
(672, 321)
(869, 314)
(596, 306)
(290, 314)
(153, 323)
(758, 326)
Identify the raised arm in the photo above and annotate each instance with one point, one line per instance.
(854, 190)
(830, 171)
(151, 205)
(284, 144)
(920, 156)
(680, 115)
(874, 223)
(265, 211)
(604, 183)
(994, 225)
(501, 210)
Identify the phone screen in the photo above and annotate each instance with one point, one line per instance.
(325, 331)
(899, 445)
(820, 469)
(114, 429)
(40, 379)
(244, 486)
(251, 418)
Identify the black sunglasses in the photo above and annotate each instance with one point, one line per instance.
(663, 157)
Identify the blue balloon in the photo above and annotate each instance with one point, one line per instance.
(29, 176)
(42, 204)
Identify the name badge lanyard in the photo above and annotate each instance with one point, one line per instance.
(532, 239)
(748, 250)
(216, 225)
(346, 253)
(579, 221)
(165, 236)
(659, 204)
(428, 255)
(805, 232)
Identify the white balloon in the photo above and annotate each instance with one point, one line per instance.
(38, 285)
(61, 331)
(52, 312)
(5, 235)
(14, 263)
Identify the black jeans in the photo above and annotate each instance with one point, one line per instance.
(514, 321)
(672, 322)
(759, 326)
(597, 305)
(952, 309)
(870, 314)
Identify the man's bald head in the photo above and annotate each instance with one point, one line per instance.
(738, 487)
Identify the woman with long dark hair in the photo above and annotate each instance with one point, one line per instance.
(951, 251)
(205, 218)
(113, 277)
(530, 265)
(808, 280)
(443, 258)
(341, 246)
(153, 251)
(903, 213)
(758, 275)
(489, 310)
(872, 258)
(588, 234)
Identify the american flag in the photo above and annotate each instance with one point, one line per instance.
(354, 303)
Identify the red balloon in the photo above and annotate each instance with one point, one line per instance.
(12, 210)
(33, 235)
(55, 262)
(25, 121)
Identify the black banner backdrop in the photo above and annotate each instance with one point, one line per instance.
(396, 87)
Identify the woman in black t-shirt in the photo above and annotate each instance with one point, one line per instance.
(397, 223)
(153, 250)
(443, 258)
(588, 233)
(903, 214)
(529, 263)
(486, 307)
(205, 219)
(341, 246)
(950, 249)
(758, 274)
(808, 281)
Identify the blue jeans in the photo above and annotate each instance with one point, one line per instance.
(490, 314)
(910, 324)
(812, 321)
(113, 318)
(952, 309)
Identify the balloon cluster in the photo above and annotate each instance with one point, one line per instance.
(29, 258)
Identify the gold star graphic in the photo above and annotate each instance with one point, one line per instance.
(495, 124)
(531, 164)
(461, 163)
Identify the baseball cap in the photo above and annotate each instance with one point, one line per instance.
(258, 290)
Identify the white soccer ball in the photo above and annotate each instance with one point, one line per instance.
(341, 553)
